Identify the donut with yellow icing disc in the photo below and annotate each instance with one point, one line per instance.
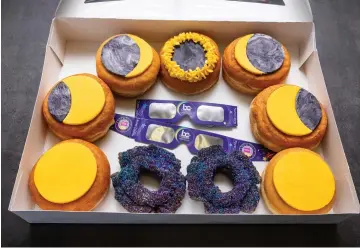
(304, 180)
(293, 110)
(65, 172)
(298, 181)
(73, 175)
(286, 116)
(79, 106)
(86, 99)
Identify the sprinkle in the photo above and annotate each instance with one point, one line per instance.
(198, 74)
(200, 176)
(133, 196)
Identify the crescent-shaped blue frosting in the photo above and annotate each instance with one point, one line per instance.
(59, 101)
(308, 109)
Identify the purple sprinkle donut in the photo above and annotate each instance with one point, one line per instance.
(133, 196)
(200, 176)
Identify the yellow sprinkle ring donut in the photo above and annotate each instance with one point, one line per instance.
(192, 75)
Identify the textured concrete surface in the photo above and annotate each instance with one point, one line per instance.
(25, 27)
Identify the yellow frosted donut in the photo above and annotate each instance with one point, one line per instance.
(65, 172)
(304, 180)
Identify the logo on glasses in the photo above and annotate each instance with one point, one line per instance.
(248, 150)
(124, 123)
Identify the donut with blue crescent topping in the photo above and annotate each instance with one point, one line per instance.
(127, 64)
(285, 116)
(254, 62)
(80, 106)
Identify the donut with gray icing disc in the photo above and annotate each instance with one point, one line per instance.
(254, 62)
(121, 55)
(265, 53)
(73, 175)
(127, 64)
(285, 116)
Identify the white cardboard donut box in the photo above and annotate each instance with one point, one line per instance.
(71, 48)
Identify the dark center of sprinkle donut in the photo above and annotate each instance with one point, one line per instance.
(120, 55)
(189, 55)
(265, 53)
(223, 179)
(150, 179)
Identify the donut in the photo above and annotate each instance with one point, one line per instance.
(80, 106)
(133, 196)
(286, 116)
(243, 197)
(190, 63)
(73, 175)
(128, 64)
(254, 62)
(298, 181)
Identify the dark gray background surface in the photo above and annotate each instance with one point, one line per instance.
(25, 27)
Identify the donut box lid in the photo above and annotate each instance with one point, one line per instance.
(199, 10)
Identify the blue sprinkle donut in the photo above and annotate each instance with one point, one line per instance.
(200, 176)
(133, 196)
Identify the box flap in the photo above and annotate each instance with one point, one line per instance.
(56, 41)
(212, 10)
